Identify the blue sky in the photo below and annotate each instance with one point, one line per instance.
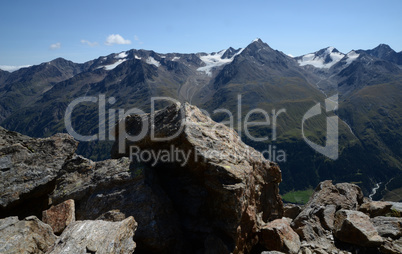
(38, 31)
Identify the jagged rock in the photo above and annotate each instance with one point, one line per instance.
(315, 223)
(98, 187)
(392, 246)
(388, 226)
(97, 237)
(221, 188)
(356, 228)
(376, 208)
(112, 215)
(278, 235)
(291, 210)
(25, 236)
(28, 168)
(60, 216)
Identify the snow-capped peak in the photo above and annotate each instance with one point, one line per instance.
(351, 56)
(216, 59)
(324, 58)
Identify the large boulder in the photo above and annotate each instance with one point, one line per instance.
(356, 228)
(219, 186)
(277, 235)
(28, 168)
(98, 236)
(25, 236)
(316, 221)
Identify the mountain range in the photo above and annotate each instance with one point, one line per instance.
(368, 84)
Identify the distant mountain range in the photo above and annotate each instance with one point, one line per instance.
(369, 84)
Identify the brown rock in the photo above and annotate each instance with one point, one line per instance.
(376, 208)
(279, 236)
(25, 236)
(223, 186)
(291, 210)
(356, 228)
(60, 216)
(97, 237)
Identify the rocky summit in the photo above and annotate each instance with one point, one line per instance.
(188, 185)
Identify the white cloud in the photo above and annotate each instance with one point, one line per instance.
(91, 44)
(116, 39)
(11, 68)
(56, 45)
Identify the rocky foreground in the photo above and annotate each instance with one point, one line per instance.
(223, 199)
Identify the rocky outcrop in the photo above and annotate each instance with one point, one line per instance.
(60, 216)
(25, 236)
(97, 237)
(316, 222)
(278, 235)
(98, 187)
(219, 186)
(28, 168)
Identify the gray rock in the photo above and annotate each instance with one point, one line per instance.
(25, 236)
(396, 207)
(98, 187)
(29, 167)
(392, 246)
(223, 185)
(99, 236)
(356, 228)
(388, 226)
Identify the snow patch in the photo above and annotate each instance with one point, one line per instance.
(121, 55)
(112, 66)
(175, 58)
(351, 56)
(137, 57)
(152, 60)
(318, 61)
(214, 60)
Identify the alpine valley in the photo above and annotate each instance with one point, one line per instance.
(368, 83)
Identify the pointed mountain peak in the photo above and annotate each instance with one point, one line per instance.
(383, 46)
(258, 44)
(258, 40)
